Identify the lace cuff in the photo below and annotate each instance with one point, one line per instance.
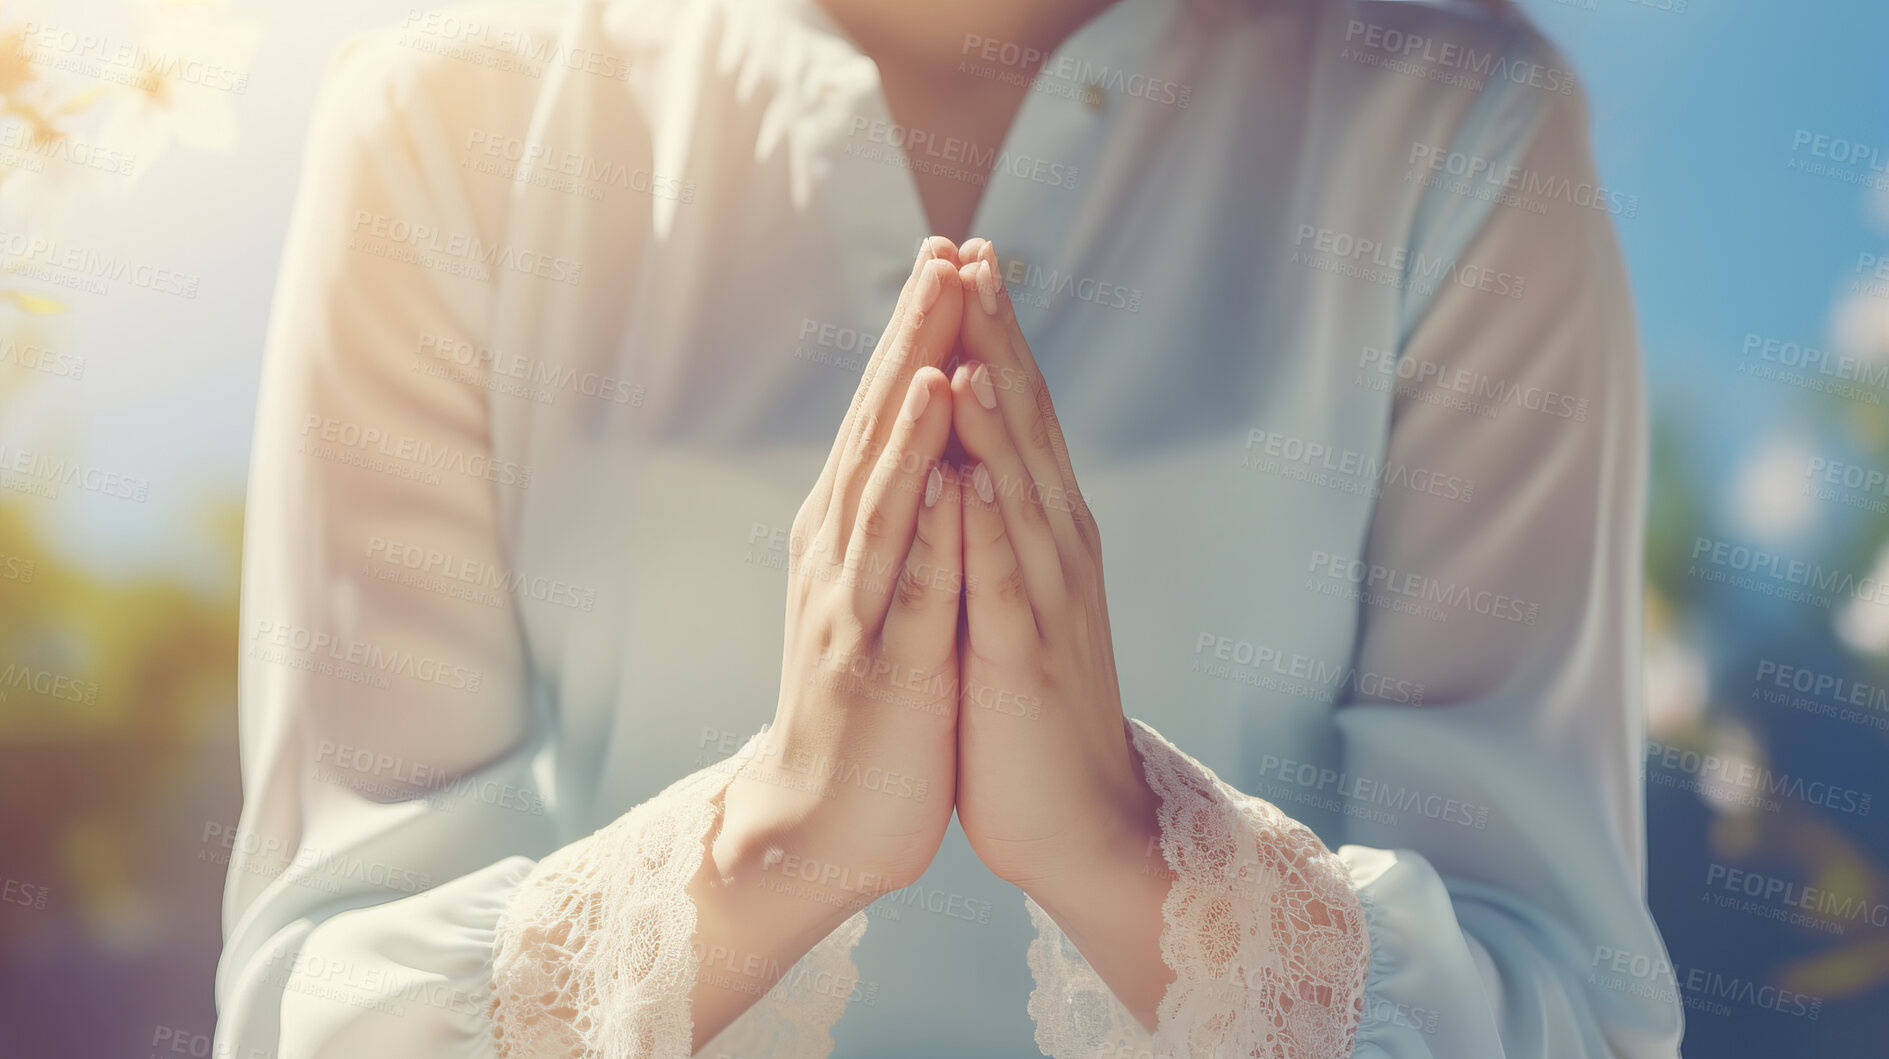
(595, 956)
(1264, 934)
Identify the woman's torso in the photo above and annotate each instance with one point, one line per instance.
(1183, 246)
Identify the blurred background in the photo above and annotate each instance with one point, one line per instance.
(149, 156)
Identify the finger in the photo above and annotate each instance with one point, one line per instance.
(989, 333)
(1000, 624)
(874, 382)
(893, 492)
(981, 430)
(921, 624)
(820, 497)
(924, 334)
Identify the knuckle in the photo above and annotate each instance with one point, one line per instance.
(1040, 431)
(992, 534)
(1010, 587)
(1045, 408)
(912, 589)
(1031, 504)
(854, 620)
(872, 525)
(812, 512)
(1084, 519)
(922, 543)
(865, 430)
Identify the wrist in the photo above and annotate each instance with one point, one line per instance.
(1111, 902)
(767, 874)
(1118, 850)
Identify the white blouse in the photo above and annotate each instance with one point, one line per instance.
(1335, 324)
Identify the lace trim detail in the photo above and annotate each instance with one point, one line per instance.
(595, 955)
(1264, 934)
(795, 1019)
(1076, 1014)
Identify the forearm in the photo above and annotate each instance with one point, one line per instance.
(654, 934)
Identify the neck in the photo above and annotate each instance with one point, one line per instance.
(932, 39)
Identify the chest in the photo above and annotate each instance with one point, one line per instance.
(1227, 434)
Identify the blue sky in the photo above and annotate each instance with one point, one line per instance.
(1695, 112)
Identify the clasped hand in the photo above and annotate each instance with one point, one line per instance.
(947, 636)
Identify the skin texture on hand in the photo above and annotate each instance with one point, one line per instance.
(947, 643)
(1050, 793)
(857, 773)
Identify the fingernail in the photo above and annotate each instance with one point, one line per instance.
(987, 287)
(982, 387)
(981, 482)
(934, 487)
(917, 401)
(928, 287)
